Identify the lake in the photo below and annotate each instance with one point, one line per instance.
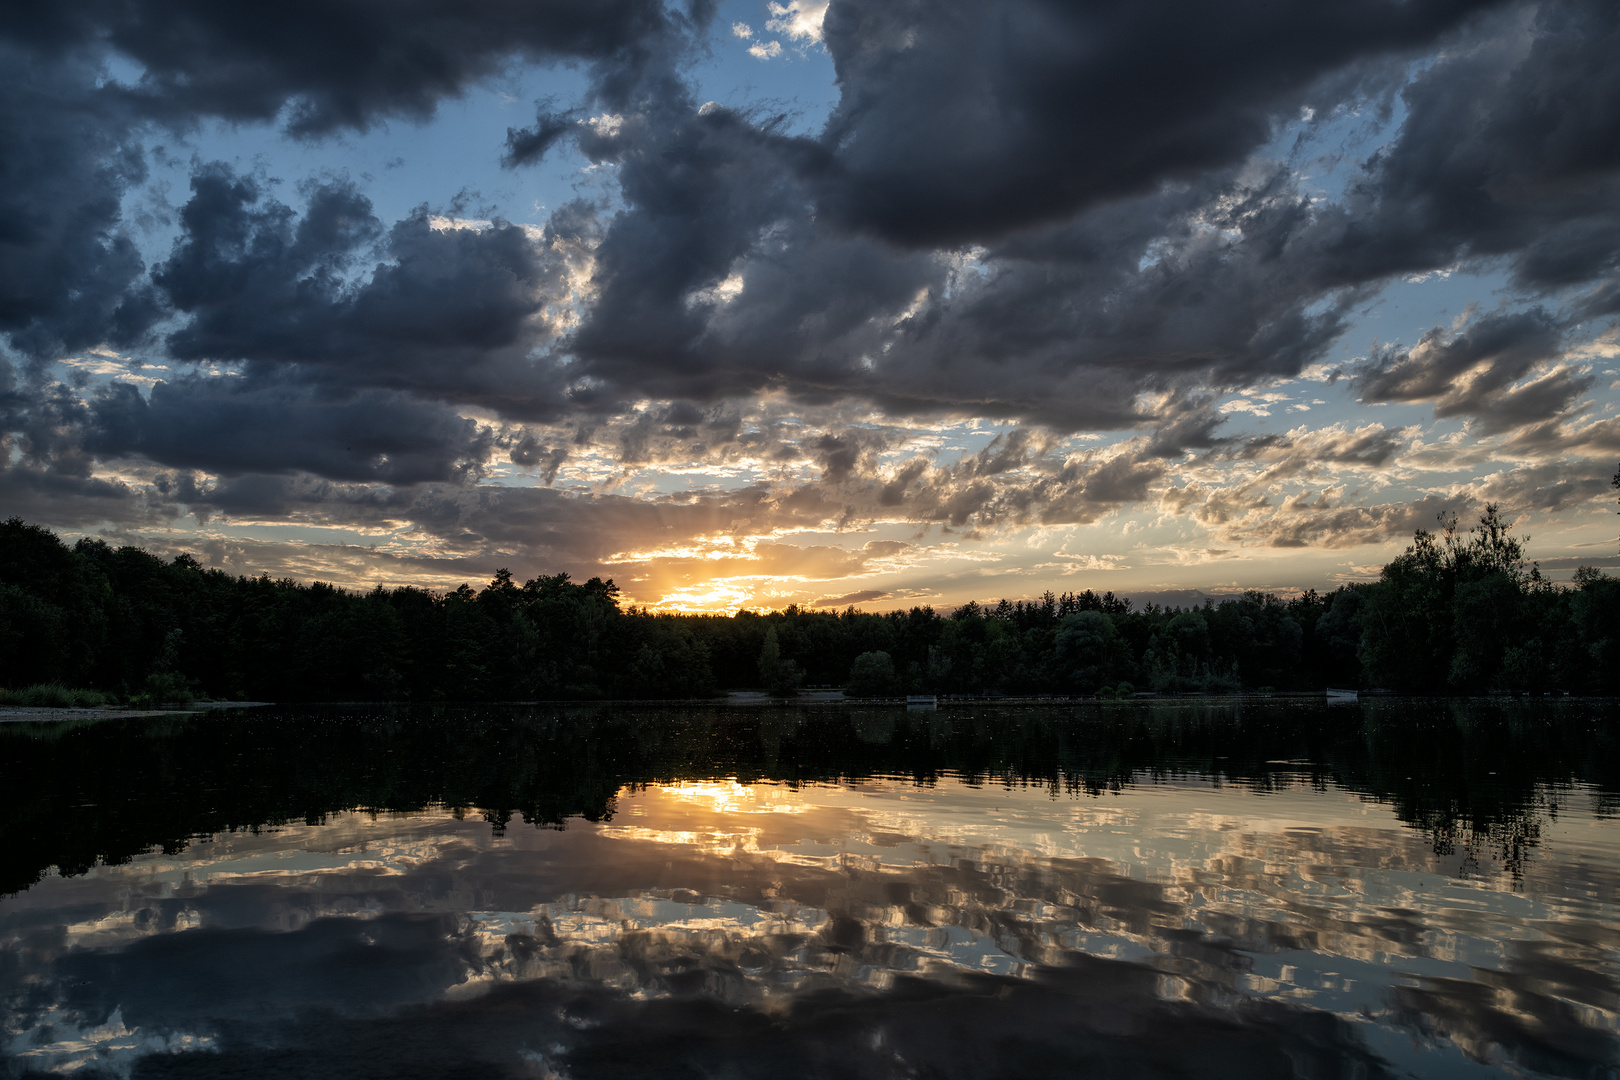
(1190, 888)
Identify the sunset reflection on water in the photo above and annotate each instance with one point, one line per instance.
(875, 926)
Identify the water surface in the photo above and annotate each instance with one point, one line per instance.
(1386, 889)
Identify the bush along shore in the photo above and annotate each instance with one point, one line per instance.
(1459, 612)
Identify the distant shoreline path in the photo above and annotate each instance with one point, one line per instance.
(20, 714)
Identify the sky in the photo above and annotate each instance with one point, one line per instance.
(870, 302)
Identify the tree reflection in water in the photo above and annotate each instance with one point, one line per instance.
(1199, 889)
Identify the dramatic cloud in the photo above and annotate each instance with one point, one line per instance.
(1040, 286)
(228, 426)
(337, 65)
(69, 275)
(451, 313)
(1486, 372)
(960, 121)
(1508, 149)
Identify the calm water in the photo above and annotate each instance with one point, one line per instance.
(1386, 889)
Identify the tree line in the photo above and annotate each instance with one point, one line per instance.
(1458, 612)
(1470, 774)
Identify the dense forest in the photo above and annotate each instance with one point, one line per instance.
(1459, 612)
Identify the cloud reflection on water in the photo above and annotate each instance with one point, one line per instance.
(879, 928)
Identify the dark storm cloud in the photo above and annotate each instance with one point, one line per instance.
(526, 146)
(76, 502)
(44, 422)
(1025, 211)
(1220, 278)
(69, 276)
(527, 452)
(1226, 277)
(1547, 396)
(1480, 372)
(291, 497)
(1504, 347)
(70, 136)
(45, 467)
(334, 64)
(446, 312)
(228, 426)
(725, 273)
(1510, 148)
(720, 280)
(715, 281)
(960, 120)
(1192, 428)
(1166, 294)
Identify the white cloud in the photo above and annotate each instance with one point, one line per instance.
(118, 367)
(443, 223)
(800, 19)
(742, 30)
(719, 294)
(765, 50)
(1244, 405)
(1432, 275)
(1606, 346)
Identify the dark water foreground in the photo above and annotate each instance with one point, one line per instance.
(1388, 889)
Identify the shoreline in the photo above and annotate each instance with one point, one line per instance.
(748, 699)
(19, 714)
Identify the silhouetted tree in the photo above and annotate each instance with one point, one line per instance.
(872, 674)
(778, 675)
(1457, 612)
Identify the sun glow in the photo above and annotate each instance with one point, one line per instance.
(688, 551)
(721, 796)
(707, 597)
